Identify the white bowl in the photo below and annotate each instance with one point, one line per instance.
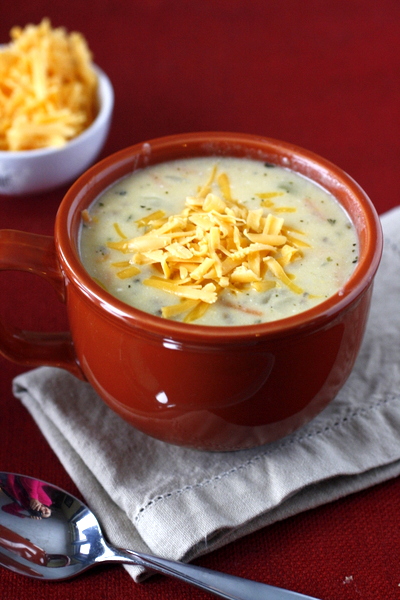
(35, 171)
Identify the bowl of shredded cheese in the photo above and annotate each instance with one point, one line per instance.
(55, 109)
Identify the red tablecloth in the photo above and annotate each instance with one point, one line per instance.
(323, 74)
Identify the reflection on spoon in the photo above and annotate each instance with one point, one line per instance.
(47, 533)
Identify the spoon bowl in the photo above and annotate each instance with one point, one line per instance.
(59, 537)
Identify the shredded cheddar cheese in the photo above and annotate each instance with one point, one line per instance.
(48, 87)
(214, 244)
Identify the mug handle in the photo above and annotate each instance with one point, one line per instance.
(22, 251)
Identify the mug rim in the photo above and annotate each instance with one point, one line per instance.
(119, 164)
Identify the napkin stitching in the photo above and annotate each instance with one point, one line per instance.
(295, 438)
(393, 245)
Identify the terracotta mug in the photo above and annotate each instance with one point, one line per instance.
(210, 388)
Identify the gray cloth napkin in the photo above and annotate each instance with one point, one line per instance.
(181, 503)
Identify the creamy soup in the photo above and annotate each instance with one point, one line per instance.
(218, 241)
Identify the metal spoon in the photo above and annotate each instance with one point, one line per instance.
(60, 537)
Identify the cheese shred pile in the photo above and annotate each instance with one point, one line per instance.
(48, 87)
(215, 244)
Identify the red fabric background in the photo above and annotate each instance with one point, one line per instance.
(323, 74)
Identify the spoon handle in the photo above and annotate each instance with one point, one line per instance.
(220, 584)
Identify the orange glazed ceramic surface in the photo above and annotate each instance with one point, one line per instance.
(211, 388)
